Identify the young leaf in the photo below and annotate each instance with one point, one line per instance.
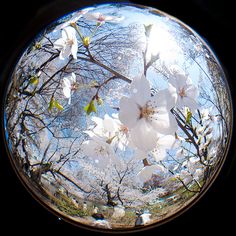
(90, 107)
(188, 117)
(58, 105)
(51, 104)
(34, 80)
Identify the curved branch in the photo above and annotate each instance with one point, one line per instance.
(71, 181)
(117, 74)
(182, 182)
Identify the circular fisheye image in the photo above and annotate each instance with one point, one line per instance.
(117, 117)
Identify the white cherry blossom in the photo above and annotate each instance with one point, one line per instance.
(111, 129)
(178, 141)
(207, 115)
(182, 88)
(99, 151)
(67, 44)
(147, 171)
(101, 19)
(147, 115)
(181, 153)
(198, 174)
(193, 168)
(69, 85)
(76, 16)
(163, 143)
(105, 127)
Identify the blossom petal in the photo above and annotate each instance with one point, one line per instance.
(159, 154)
(67, 92)
(74, 49)
(84, 11)
(69, 101)
(73, 19)
(164, 98)
(186, 92)
(173, 95)
(68, 33)
(99, 17)
(189, 102)
(192, 91)
(65, 52)
(129, 112)
(92, 16)
(59, 44)
(164, 123)
(97, 120)
(166, 141)
(178, 77)
(116, 19)
(73, 77)
(98, 148)
(109, 124)
(143, 136)
(67, 82)
(140, 90)
(87, 147)
(146, 173)
(140, 155)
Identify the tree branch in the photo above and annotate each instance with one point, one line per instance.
(70, 180)
(117, 74)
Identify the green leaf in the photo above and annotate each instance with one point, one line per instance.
(51, 104)
(58, 106)
(90, 107)
(188, 117)
(34, 80)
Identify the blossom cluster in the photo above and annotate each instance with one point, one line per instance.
(68, 44)
(144, 124)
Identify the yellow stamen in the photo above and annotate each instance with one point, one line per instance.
(146, 111)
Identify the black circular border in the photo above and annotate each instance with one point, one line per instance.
(7, 73)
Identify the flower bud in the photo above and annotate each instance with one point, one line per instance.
(86, 41)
